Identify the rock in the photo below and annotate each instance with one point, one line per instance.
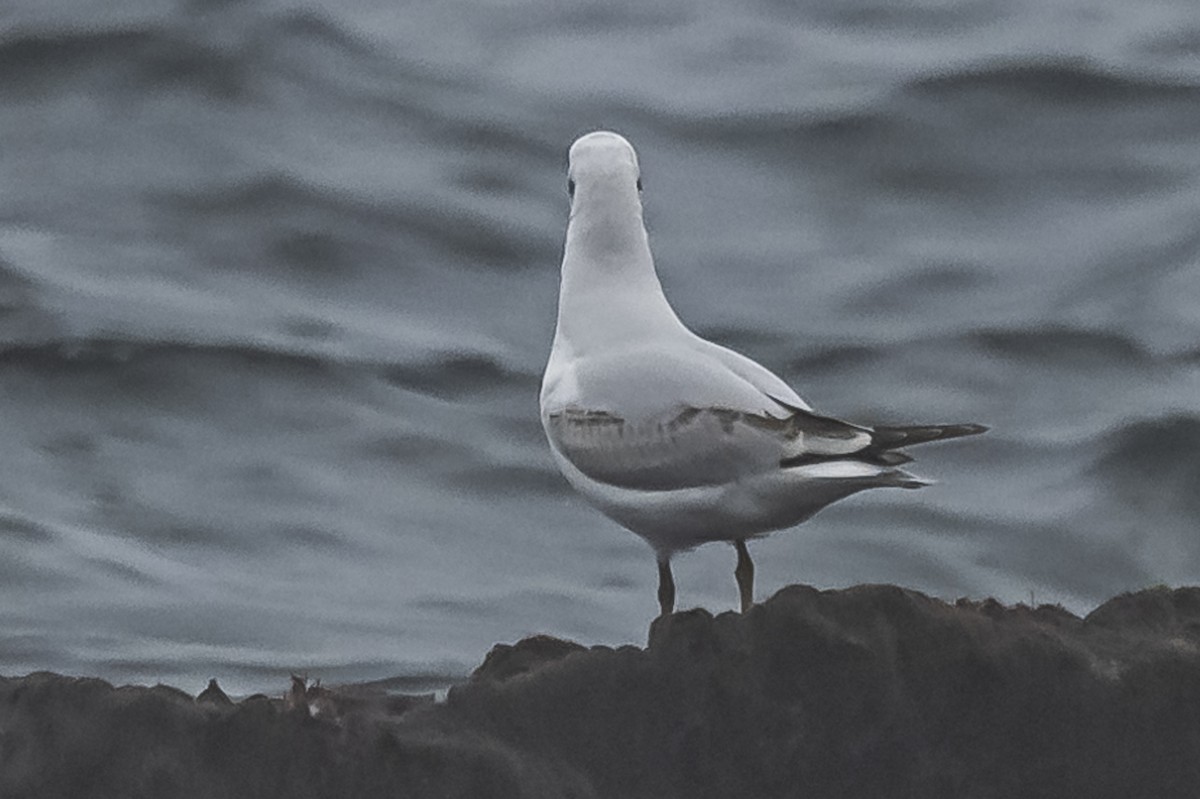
(528, 654)
(869, 691)
(213, 695)
(1158, 610)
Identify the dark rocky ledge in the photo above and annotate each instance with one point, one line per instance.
(872, 691)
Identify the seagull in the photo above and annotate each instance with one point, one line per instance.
(680, 440)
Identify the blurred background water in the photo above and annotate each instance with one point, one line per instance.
(278, 280)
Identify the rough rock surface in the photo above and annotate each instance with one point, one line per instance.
(870, 691)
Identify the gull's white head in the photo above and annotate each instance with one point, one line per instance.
(609, 289)
(603, 162)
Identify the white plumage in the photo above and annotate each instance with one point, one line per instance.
(678, 439)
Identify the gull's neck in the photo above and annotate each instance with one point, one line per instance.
(610, 292)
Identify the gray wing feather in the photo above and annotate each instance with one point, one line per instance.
(691, 449)
(712, 446)
(696, 446)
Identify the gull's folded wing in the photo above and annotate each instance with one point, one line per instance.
(712, 446)
(657, 418)
(696, 446)
(687, 449)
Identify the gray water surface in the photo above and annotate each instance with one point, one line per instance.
(278, 280)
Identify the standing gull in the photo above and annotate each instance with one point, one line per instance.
(678, 439)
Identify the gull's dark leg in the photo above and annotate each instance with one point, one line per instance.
(666, 586)
(744, 574)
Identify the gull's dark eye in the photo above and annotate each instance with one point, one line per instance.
(571, 186)
(639, 184)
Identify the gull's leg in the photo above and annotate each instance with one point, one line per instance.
(666, 586)
(744, 574)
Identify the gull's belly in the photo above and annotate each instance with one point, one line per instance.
(677, 519)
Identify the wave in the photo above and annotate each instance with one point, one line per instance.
(19, 527)
(38, 58)
(513, 480)
(934, 283)
(17, 293)
(886, 114)
(847, 127)
(454, 374)
(911, 137)
(133, 59)
(222, 52)
(447, 375)
(1153, 466)
(330, 215)
(103, 352)
(1059, 345)
(1150, 446)
(1077, 81)
(277, 193)
(893, 19)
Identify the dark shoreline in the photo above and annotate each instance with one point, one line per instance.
(871, 691)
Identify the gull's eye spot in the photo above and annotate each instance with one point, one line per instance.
(571, 186)
(639, 183)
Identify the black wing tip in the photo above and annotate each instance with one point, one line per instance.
(964, 429)
(960, 430)
(896, 437)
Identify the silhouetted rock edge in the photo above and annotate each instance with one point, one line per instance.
(869, 691)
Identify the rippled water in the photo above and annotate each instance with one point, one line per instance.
(277, 283)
